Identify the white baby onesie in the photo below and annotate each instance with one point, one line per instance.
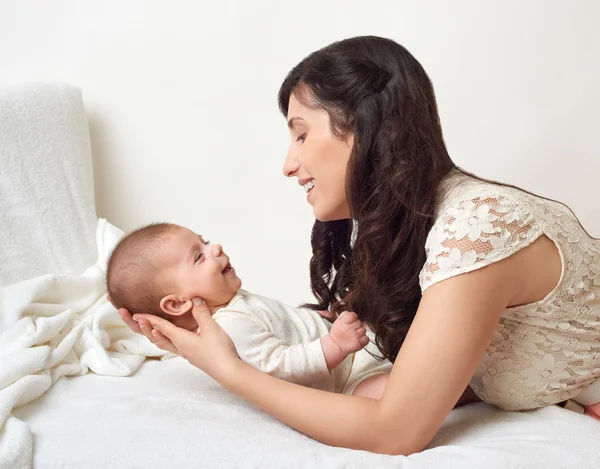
(285, 342)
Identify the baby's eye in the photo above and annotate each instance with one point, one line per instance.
(199, 256)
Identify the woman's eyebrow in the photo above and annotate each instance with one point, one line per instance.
(291, 121)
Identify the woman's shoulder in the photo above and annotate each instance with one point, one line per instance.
(459, 188)
(478, 223)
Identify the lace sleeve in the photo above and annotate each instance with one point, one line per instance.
(474, 233)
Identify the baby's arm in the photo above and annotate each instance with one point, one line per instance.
(347, 335)
(259, 347)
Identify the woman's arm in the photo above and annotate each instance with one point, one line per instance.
(447, 339)
(452, 329)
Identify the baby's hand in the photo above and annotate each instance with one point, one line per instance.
(349, 333)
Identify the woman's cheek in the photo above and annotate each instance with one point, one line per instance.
(305, 155)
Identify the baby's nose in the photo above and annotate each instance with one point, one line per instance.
(217, 249)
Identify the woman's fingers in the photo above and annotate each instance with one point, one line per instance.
(163, 342)
(145, 327)
(202, 315)
(168, 329)
(126, 317)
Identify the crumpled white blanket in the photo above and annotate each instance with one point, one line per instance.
(59, 325)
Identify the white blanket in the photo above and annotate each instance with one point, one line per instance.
(59, 325)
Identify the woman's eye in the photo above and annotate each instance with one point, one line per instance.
(301, 138)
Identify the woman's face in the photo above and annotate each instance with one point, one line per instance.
(319, 160)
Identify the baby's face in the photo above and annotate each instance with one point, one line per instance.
(196, 268)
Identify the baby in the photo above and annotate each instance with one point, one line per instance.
(159, 268)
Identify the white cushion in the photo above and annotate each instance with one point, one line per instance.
(47, 213)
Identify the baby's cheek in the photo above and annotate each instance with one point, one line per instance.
(211, 289)
(205, 290)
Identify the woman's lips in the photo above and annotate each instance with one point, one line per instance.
(310, 193)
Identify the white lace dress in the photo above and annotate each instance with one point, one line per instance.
(541, 353)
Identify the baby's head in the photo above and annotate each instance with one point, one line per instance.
(159, 268)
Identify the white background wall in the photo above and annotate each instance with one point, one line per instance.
(181, 97)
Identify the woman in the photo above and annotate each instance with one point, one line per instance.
(463, 280)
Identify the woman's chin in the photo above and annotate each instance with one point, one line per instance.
(324, 215)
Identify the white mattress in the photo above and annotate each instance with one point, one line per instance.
(169, 414)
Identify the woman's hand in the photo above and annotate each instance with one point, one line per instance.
(143, 327)
(209, 348)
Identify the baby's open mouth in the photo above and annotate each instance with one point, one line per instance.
(227, 269)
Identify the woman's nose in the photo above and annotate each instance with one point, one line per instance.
(291, 164)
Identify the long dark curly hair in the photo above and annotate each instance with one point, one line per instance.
(375, 89)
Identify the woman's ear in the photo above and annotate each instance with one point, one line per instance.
(174, 305)
(349, 139)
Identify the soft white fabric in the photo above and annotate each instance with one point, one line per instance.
(46, 183)
(169, 415)
(542, 353)
(286, 343)
(59, 325)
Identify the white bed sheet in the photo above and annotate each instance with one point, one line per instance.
(169, 414)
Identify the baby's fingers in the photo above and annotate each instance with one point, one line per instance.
(347, 317)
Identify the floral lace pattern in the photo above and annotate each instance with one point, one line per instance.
(542, 353)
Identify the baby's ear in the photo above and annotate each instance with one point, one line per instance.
(174, 305)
